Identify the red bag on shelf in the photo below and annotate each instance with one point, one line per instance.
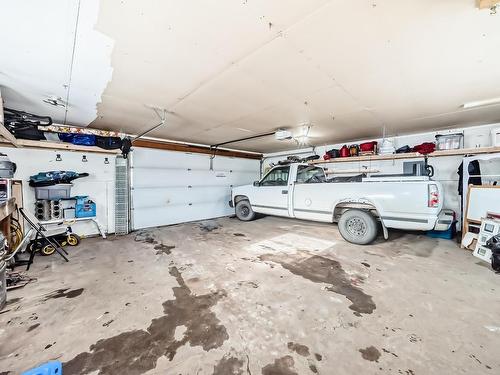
(368, 146)
(425, 148)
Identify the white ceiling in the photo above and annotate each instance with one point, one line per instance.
(228, 69)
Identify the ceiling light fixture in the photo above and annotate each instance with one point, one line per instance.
(303, 138)
(481, 103)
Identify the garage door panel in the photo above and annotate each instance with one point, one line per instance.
(168, 196)
(158, 216)
(171, 187)
(169, 159)
(154, 177)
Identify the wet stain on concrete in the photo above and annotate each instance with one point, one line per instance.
(313, 368)
(407, 243)
(12, 301)
(299, 349)
(370, 353)
(281, 366)
(318, 356)
(137, 351)
(209, 226)
(64, 293)
(229, 365)
(324, 270)
(34, 326)
(146, 237)
(163, 249)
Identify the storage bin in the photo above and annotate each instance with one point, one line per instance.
(449, 141)
(448, 234)
(49, 368)
(54, 192)
(84, 207)
(3, 285)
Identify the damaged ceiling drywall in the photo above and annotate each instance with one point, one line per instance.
(52, 50)
(230, 69)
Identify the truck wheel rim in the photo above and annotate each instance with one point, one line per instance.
(356, 226)
(244, 211)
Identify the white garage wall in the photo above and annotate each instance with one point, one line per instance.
(445, 167)
(99, 185)
(170, 187)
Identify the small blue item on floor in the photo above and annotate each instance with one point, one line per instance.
(445, 234)
(49, 368)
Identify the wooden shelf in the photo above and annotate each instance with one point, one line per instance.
(60, 146)
(412, 155)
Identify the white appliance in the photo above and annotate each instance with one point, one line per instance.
(489, 228)
(495, 137)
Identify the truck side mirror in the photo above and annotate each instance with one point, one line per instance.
(256, 183)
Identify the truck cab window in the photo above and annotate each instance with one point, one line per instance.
(310, 175)
(277, 177)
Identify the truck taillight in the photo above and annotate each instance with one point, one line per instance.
(433, 195)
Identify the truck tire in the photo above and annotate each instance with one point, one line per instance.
(358, 227)
(244, 211)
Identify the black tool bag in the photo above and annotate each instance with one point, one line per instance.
(24, 125)
(333, 153)
(403, 150)
(310, 158)
(494, 245)
(108, 143)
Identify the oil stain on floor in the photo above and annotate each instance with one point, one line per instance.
(281, 366)
(229, 365)
(325, 270)
(135, 352)
(63, 293)
(370, 353)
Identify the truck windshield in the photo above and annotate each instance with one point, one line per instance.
(310, 175)
(277, 177)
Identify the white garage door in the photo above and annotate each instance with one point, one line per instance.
(170, 187)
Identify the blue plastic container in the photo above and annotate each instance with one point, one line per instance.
(445, 234)
(49, 368)
(84, 207)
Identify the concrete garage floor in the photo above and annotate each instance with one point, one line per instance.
(273, 296)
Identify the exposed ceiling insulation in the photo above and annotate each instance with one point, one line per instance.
(229, 69)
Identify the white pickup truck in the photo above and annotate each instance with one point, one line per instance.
(358, 204)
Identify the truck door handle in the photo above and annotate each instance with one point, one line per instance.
(284, 191)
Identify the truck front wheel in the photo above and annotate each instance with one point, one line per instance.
(244, 211)
(358, 227)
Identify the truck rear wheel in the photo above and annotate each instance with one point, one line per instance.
(358, 227)
(244, 211)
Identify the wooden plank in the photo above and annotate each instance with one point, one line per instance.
(487, 4)
(61, 146)
(7, 208)
(170, 146)
(412, 155)
(3, 130)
